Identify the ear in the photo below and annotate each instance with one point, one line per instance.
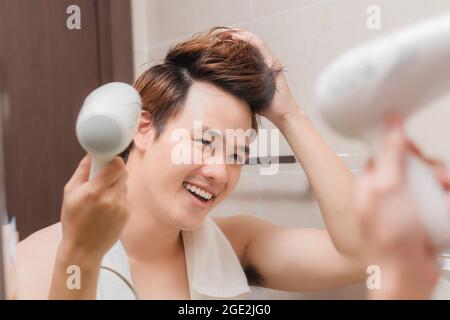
(145, 132)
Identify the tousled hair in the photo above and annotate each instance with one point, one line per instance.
(231, 64)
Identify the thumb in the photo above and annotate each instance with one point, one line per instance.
(81, 174)
(442, 175)
(391, 162)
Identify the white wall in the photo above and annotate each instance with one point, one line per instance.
(305, 35)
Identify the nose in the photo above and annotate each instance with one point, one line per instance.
(216, 172)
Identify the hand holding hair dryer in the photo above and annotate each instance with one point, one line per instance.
(107, 122)
(396, 74)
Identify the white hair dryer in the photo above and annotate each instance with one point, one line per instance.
(107, 122)
(398, 73)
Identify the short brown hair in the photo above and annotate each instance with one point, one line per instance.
(214, 56)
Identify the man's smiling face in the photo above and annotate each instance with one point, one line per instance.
(185, 193)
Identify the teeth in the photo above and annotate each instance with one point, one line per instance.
(198, 191)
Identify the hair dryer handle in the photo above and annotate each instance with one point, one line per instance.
(430, 200)
(98, 163)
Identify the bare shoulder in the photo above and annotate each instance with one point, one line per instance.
(35, 259)
(241, 229)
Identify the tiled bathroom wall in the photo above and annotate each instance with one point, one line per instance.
(305, 35)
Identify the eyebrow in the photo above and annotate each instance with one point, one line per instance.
(245, 149)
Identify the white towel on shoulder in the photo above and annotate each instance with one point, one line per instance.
(214, 270)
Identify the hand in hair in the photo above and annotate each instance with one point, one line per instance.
(283, 103)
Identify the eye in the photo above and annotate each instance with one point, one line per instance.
(203, 141)
(237, 158)
(206, 142)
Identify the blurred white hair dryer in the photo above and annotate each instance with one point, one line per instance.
(107, 122)
(395, 74)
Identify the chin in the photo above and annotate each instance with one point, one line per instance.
(190, 223)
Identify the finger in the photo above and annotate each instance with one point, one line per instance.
(226, 33)
(258, 43)
(442, 175)
(415, 149)
(448, 202)
(250, 38)
(437, 165)
(418, 152)
(81, 174)
(120, 183)
(370, 165)
(109, 175)
(117, 193)
(222, 32)
(391, 161)
(364, 198)
(242, 35)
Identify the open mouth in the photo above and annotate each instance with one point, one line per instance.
(199, 193)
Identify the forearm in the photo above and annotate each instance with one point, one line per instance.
(330, 179)
(75, 275)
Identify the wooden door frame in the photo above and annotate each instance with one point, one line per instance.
(115, 40)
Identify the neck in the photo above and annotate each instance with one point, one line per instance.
(146, 236)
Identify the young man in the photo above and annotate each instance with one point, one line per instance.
(224, 78)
